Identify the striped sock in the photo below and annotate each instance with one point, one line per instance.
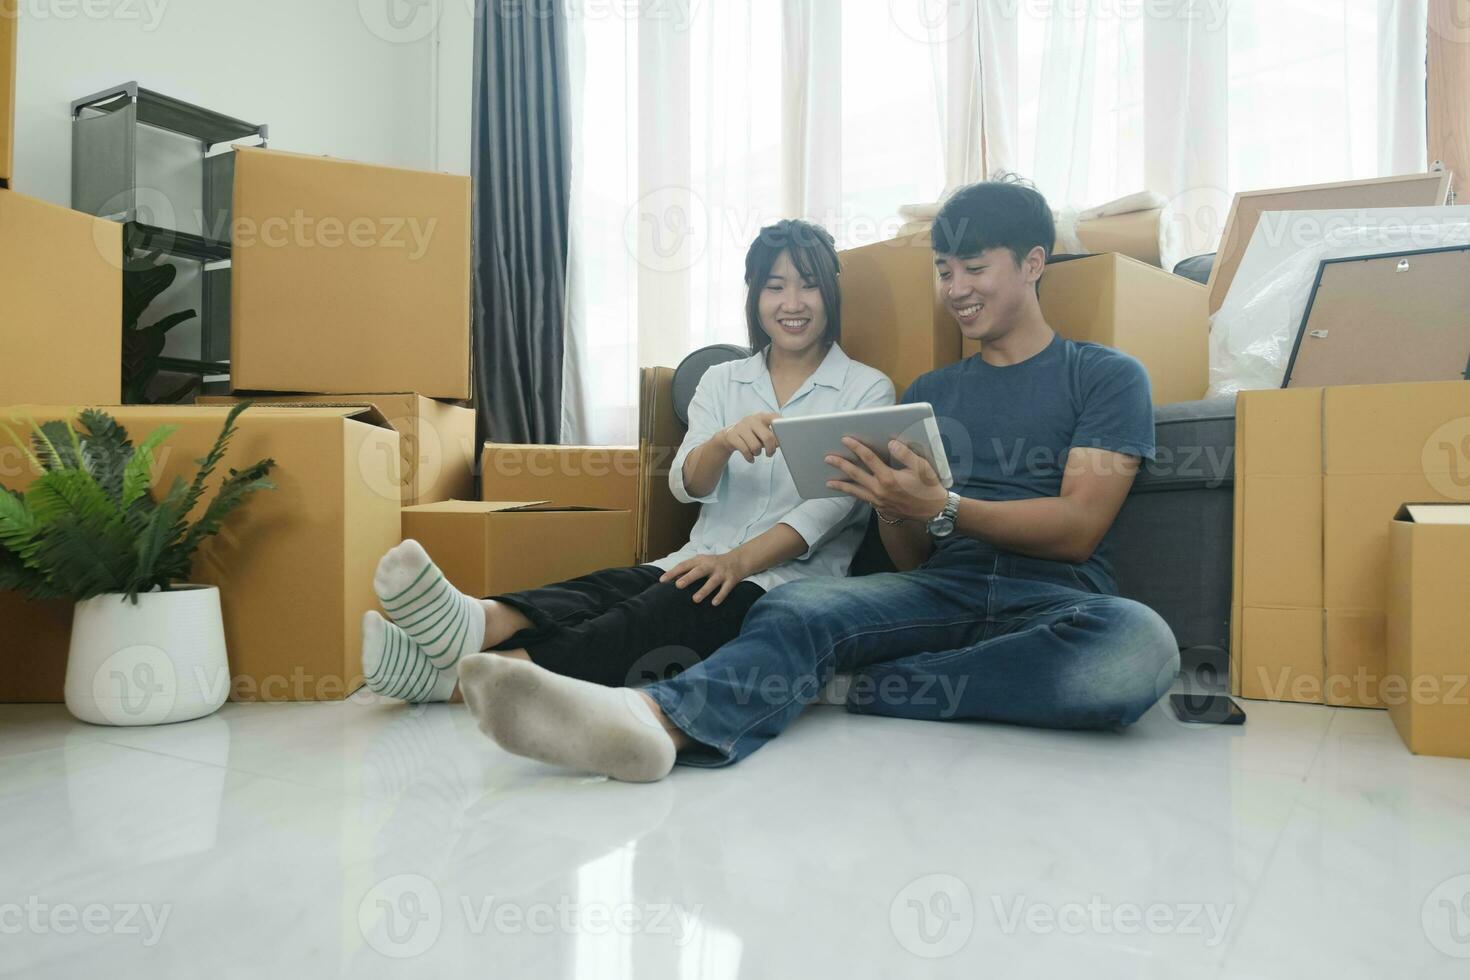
(442, 620)
(396, 667)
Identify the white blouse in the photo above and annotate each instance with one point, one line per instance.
(752, 498)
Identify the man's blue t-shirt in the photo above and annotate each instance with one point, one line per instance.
(1007, 429)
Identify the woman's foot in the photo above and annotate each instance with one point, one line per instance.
(532, 712)
(396, 667)
(443, 621)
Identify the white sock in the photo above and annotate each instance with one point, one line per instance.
(442, 620)
(575, 724)
(396, 667)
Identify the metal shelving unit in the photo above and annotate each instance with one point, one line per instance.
(163, 167)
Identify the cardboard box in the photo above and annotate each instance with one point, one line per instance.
(1121, 302)
(489, 548)
(892, 316)
(663, 522)
(1320, 472)
(1428, 620)
(436, 441)
(294, 565)
(61, 283)
(604, 477)
(1133, 233)
(1407, 190)
(9, 21)
(349, 278)
(1276, 646)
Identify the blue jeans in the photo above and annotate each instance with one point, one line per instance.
(1000, 638)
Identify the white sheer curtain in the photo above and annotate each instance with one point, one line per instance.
(697, 124)
(1197, 99)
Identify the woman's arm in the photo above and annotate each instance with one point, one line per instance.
(721, 573)
(704, 466)
(908, 543)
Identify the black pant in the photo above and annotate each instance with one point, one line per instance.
(622, 627)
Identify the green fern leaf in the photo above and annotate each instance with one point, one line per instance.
(138, 474)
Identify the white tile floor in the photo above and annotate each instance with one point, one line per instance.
(361, 839)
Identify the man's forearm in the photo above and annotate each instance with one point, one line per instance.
(1054, 528)
(704, 466)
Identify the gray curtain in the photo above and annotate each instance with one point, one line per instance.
(521, 168)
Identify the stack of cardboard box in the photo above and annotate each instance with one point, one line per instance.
(351, 284)
(1320, 475)
(551, 513)
(894, 317)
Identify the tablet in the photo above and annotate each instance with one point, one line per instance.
(807, 441)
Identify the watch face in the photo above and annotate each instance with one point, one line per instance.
(941, 527)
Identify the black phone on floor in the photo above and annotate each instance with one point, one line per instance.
(1207, 709)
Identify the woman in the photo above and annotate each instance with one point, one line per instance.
(625, 626)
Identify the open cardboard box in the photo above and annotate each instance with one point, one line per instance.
(1320, 473)
(60, 304)
(294, 565)
(489, 548)
(348, 277)
(1120, 302)
(1428, 683)
(436, 441)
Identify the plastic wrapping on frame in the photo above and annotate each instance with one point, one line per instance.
(1252, 334)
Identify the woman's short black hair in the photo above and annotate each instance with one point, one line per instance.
(814, 253)
(1003, 212)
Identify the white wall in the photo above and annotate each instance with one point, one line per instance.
(356, 79)
(455, 95)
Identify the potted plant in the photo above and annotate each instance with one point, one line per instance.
(146, 647)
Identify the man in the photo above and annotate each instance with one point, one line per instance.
(1004, 607)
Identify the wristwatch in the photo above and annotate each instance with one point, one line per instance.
(943, 525)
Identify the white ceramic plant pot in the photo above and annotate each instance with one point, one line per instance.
(159, 661)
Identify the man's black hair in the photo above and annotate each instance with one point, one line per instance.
(1003, 212)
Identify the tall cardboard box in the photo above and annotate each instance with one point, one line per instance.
(892, 316)
(294, 565)
(1139, 309)
(663, 522)
(489, 548)
(8, 24)
(1320, 474)
(436, 441)
(60, 304)
(348, 277)
(1276, 642)
(1428, 597)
